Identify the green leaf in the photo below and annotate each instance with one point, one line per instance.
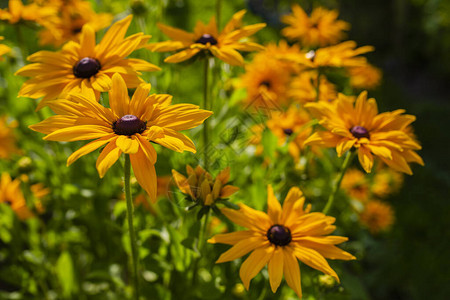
(65, 274)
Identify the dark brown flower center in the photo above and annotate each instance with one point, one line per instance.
(266, 83)
(129, 125)
(76, 30)
(279, 235)
(207, 38)
(359, 132)
(86, 67)
(288, 131)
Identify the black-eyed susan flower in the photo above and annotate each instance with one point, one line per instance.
(345, 54)
(17, 12)
(351, 123)
(303, 88)
(86, 65)
(3, 49)
(206, 38)
(7, 138)
(11, 194)
(127, 127)
(364, 77)
(72, 16)
(280, 238)
(202, 188)
(356, 185)
(377, 216)
(291, 126)
(320, 29)
(266, 83)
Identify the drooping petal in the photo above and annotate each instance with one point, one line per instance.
(291, 271)
(275, 268)
(254, 263)
(145, 173)
(107, 158)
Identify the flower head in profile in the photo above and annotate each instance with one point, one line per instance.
(377, 216)
(303, 88)
(320, 29)
(345, 54)
(3, 49)
(129, 126)
(280, 238)
(7, 138)
(72, 16)
(202, 188)
(11, 194)
(17, 12)
(86, 65)
(291, 127)
(365, 77)
(351, 123)
(206, 38)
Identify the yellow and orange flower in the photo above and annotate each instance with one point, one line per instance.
(7, 138)
(357, 124)
(386, 182)
(303, 88)
(365, 77)
(377, 216)
(356, 185)
(3, 49)
(280, 238)
(11, 194)
(206, 38)
(344, 54)
(201, 187)
(127, 127)
(85, 65)
(72, 16)
(321, 29)
(288, 124)
(266, 83)
(17, 12)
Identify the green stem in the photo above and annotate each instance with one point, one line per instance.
(130, 212)
(347, 161)
(200, 245)
(218, 11)
(206, 105)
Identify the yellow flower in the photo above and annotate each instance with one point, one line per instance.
(356, 185)
(357, 124)
(206, 38)
(344, 54)
(85, 65)
(201, 186)
(73, 15)
(127, 127)
(386, 182)
(3, 49)
(290, 123)
(364, 77)
(321, 29)
(7, 138)
(303, 88)
(17, 12)
(377, 216)
(266, 82)
(279, 238)
(11, 194)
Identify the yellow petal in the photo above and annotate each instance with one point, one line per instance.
(145, 173)
(291, 271)
(88, 148)
(275, 269)
(118, 96)
(78, 133)
(128, 144)
(313, 259)
(254, 263)
(365, 158)
(249, 218)
(107, 158)
(232, 238)
(243, 247)
(87, 41)
(273, 206)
